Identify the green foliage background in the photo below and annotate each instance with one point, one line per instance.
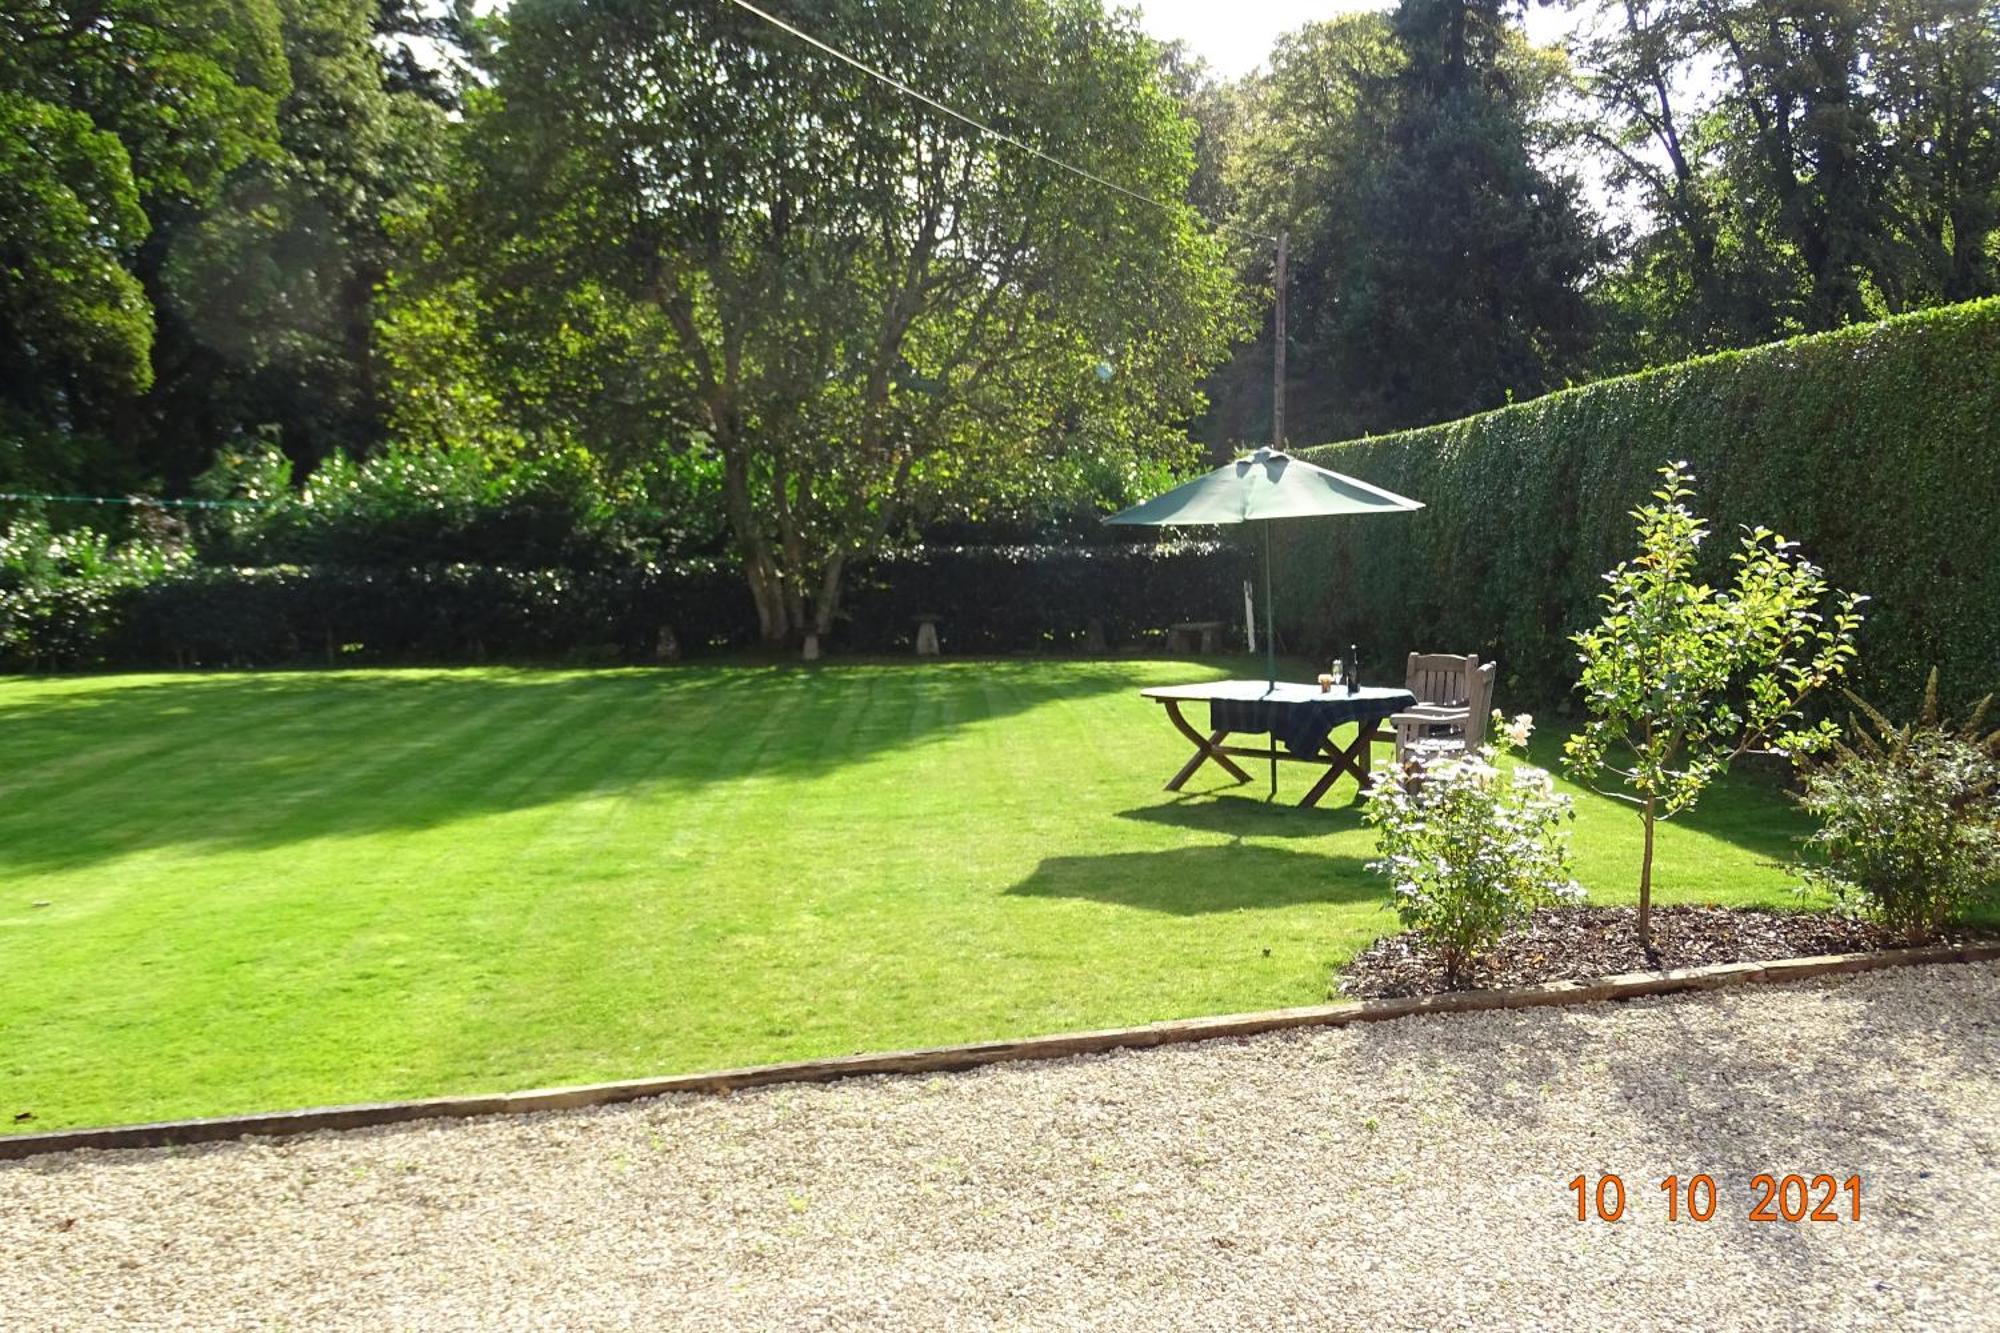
(1877, 447)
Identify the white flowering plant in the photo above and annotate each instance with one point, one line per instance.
(1471, 848)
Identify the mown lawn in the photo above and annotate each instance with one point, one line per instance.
(224, 893)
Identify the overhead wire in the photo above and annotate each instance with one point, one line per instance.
(982, 126)
(134, 501)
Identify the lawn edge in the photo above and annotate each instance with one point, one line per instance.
(945, 1059)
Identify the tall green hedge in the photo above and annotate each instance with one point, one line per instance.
(1876, 447)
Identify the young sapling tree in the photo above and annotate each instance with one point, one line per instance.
(1681, 678)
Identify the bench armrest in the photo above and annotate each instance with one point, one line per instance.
(1432, 715)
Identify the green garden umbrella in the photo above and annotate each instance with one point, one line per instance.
(1269, 484)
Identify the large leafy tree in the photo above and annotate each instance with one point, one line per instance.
(116, 116)
(1799, 167)
(1304, 142)
(1439, 259)
(1799, 135)
(268, 297)
(1696, 276)
(1475, 246)
(196, 203)
(704, 237)
(1935, 65)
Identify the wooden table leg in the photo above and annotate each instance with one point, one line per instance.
(1356, 757)
(1337, 763)
(1204, 749)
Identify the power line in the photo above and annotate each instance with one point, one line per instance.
(974, 121)
(135, 501)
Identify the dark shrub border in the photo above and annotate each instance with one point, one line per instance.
(991, 600)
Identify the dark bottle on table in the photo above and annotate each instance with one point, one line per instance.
(1353, 670)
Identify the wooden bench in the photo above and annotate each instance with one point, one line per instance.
(1182, 637)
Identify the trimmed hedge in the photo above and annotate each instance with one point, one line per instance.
(1014, 598)
(1876, 447)
(991, 599)
(331, 614)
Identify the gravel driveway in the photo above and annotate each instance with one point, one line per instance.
(1402, 1175)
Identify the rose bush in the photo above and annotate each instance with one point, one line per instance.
(1470, 848)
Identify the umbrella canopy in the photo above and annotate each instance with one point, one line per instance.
(1269, 484)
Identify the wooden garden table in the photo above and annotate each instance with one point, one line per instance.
(1299, 718)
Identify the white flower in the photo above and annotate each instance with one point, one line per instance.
(1476, 771)
(1536, 780)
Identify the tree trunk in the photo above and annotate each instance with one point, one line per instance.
(1646, 881)
(775, 623)
(827, 604)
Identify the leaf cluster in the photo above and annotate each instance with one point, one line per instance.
(1909, 816)
(1680, 677)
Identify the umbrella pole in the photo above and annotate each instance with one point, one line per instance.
(1270, 655)
(1270, 634)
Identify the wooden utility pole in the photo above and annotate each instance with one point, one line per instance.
(1278, 352)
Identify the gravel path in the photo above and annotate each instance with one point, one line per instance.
(1400, 1175)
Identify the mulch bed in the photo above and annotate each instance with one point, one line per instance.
(1581, 943)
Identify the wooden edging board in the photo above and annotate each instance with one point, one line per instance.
(945, 1058)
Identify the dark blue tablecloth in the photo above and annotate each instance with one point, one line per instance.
(1300, 716)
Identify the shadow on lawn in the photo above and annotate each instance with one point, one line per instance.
(1746, 807)
(1249, 816)
(1193, 881)
(261, 760)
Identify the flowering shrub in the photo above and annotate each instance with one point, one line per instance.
(58, 589)
(1909, 818)
(1471, 850)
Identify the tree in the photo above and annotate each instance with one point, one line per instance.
(431, 50)
(1439, 259)
(268, 297)
(1935, 65)
(1801, 136)
(1214, 109)
(859, 308)
(199, 201)
(1303, 136)
(96, 162)
(1681, 678)
(70, 222)
(1475, 246)
(1801, 167)
(1696, 278)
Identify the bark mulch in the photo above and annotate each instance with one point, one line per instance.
(1582, 943)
